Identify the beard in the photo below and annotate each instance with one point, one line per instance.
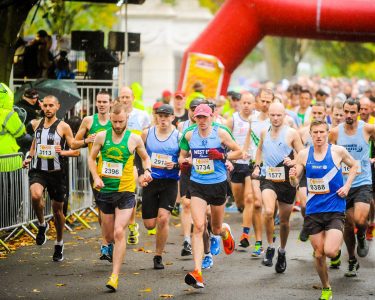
(349, 121)
(119, 131)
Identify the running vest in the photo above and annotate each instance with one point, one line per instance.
(186, 125)
(240, 130)
(256, 128)
(97, 127)
(324, 179)
(46, 158)
(358, 147)
(137, 121)
(115, 165)
(206, 171)
(161, 152)
(274, 151)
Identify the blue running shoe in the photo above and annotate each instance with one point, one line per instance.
(207, 262)
(104, 253)
(258, 249)
(215, 248)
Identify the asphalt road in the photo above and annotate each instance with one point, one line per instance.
(29, 273)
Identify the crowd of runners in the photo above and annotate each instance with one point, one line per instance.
(267, 150)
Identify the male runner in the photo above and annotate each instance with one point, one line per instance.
(159, 196)
(208, 183)
(325, 208)
(354, 135)
(277, 146)
(46, 172)
(115, 182)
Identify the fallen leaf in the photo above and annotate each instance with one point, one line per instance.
(147, 251)
(36, 291)
(138, 249)
(135, 273)
(177, 225)
(166, 296)
(316, 287)
(169, 263)
(60, 284)
(147, 290)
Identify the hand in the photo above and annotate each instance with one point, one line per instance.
(215, 154)
(229, 165)
(142, 181)
(169, 165)
(90, 138)
(147, 176)
(288, 162)
(292, 172)
(343, 191)
(256, 172)
(245, 155)
(98, 183)
(26, 163)
(185, 167)
(58, 149)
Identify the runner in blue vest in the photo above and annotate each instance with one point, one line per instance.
(325, 206)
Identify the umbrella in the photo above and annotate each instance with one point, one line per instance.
(65, 91)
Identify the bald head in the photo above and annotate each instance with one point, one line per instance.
(365, 108)
(126, 96)
(276, 114)
(277, 107)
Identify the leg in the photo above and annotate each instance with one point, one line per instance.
(36, 191)
(284, 212)
(198, 213)
(269, 201)
(361, 212)
(317, 242)
(162, 230)
(332, 242)
(257, 210)
(349, 236)
(186, 217)
(59, 219)
(248, 202)
(302, 196)
(238, 194)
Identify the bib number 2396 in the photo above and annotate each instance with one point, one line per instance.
(112, 170)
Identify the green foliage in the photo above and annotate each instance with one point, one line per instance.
(212, 5)
(60, 17)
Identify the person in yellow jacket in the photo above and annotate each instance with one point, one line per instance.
(11, 130)
(198, 89)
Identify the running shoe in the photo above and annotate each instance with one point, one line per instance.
(352, 268)
(280, 266)
(228, 243)
(58, 254)
(277, 220)
(326, 294)
(133, 234)
(303, 235)
(151, 231)
(110, 250)
(112, 283)
(215, 248)
(194, 279)
(176, 210)
(370, 232)
(158, 262)
(244, 240)
(104, 253)
(297, 206)
(336, 261)
(362, 247)
(207, 262)
(41, 236)
(258, 249)
(186, 250)
(267, 260)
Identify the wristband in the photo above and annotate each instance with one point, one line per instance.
(84, 142)
(147, 169)
(29, 157)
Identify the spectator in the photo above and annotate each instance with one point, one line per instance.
(32, 55)
(198, 93)
(62, 70)
(30, 104)
(165, 97)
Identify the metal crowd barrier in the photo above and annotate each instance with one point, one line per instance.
(16, 212)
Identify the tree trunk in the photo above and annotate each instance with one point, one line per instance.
(12, 15)
(283, 56)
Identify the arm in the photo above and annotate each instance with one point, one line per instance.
(296, 172)
(227, 140)
(296, 144)
(332, 136)
(230, 124)
(98, 143)
(80, 140)
(347, 159)
(258, 155)
(146, 162)
(68, 135)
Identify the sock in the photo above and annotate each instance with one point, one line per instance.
(271, 245)
(43, 224)
(208, 254)
(216, 236)
(246, 230)
(281, 250)
(352, 258)
(187, 239)
(59, 243)
(259, 242)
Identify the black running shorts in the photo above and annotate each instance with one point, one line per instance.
(214, 194)
(108, 202)
(239, 173)
(361, 193)
(159, 193)
(284, 191)
(319, 222)
(54, 182)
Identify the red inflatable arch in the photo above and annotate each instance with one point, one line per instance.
(240, 24)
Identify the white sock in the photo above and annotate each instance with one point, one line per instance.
(216, 236)
(43, 224)
(281, 250)
(271, 246)
(187, 239)
(59, 243)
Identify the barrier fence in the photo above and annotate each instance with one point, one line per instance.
(16, 213)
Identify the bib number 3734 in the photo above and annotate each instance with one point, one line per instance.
(203, 165)
(112, 170)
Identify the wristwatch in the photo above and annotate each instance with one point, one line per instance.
(29, 157)
(147, 169)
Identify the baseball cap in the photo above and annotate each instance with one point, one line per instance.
(165, 109)
(179, 94)
(157, 105)
(166, 93)
(195, 102)
(203, 110)
(31, 93)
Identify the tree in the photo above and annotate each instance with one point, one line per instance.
(13, 14)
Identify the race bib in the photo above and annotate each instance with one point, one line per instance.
(346, 169)
(45, 151)
(160, 160)
(276, 174)
(112, 170)
(203, 165)
(317, 186)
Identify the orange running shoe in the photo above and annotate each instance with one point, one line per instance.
(244, 240)
(194, 279)
(370, 232)
(228, 243)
